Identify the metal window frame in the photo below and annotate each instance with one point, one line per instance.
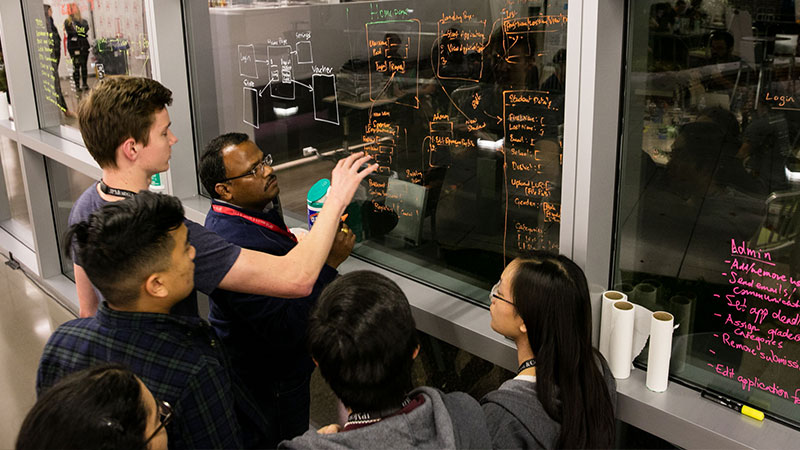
(594, 68)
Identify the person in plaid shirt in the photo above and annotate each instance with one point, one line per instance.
(137, 254)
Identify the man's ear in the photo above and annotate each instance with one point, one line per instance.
(129, 149)
(416, 352)
(155, 287)
(224, 191)
(523, 329)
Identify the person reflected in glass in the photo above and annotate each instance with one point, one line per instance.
(510, 66)
(54, 43)
(555, 83)
(723, 74)
(662, 17)
(768, 140)
(564, 395)
(101, 407)
(77, 30)
(720, 45)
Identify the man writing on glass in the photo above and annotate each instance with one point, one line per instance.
(264, 336)
(126, 128)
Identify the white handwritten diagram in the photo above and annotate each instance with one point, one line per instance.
(280, 64)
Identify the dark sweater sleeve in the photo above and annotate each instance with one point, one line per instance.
(469, 423)
(505, 430)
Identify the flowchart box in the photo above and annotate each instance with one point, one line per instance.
(247, 61)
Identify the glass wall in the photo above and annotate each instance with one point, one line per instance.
(460, 103)
(66, 185)
(4, 96)
(14, 217)
(709, 200)
(74, 44)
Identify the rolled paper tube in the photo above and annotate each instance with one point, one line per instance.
(625, 288)
(622, 315)
(660, 351)
(645, 295)
(659, 287)
(693, 300)
(681, 309)
(609, 298)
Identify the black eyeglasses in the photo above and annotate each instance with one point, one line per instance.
(267, 161)
(493, 294)
(164, 415)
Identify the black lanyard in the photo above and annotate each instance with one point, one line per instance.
(526, 365)
(108, 190)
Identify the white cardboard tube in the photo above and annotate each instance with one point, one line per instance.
(660, 351)
(622, 315)
(609, 298)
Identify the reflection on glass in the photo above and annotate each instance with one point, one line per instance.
(73, 45)
(709, 201)
(66, 185)
(460, 104)
(15, 219)
(4, 97)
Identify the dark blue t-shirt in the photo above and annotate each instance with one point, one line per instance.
(265, 336)
(213, 259)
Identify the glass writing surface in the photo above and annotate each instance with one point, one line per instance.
(708, 201)
(73, 44)
(460, 104)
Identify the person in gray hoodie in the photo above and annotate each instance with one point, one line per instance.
(563, 395)
(363, 339)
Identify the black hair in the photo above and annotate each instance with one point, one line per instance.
(97, 408)
(551, 295)
(362, 336)
(560, 57)
(124, 242)
(500, 48)
(212, 166)
(722, 35)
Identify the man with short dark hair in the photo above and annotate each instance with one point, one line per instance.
(137, 253)
(265, 336)
(720, 45)
(126, 127)
(363, 338)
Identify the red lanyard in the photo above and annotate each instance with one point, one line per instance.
(264, 223)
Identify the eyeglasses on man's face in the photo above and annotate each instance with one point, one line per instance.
(164, 416)
(267, 161)
(493, 294)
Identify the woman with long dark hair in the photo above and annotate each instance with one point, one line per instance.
(102, 407)
(564, 394)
